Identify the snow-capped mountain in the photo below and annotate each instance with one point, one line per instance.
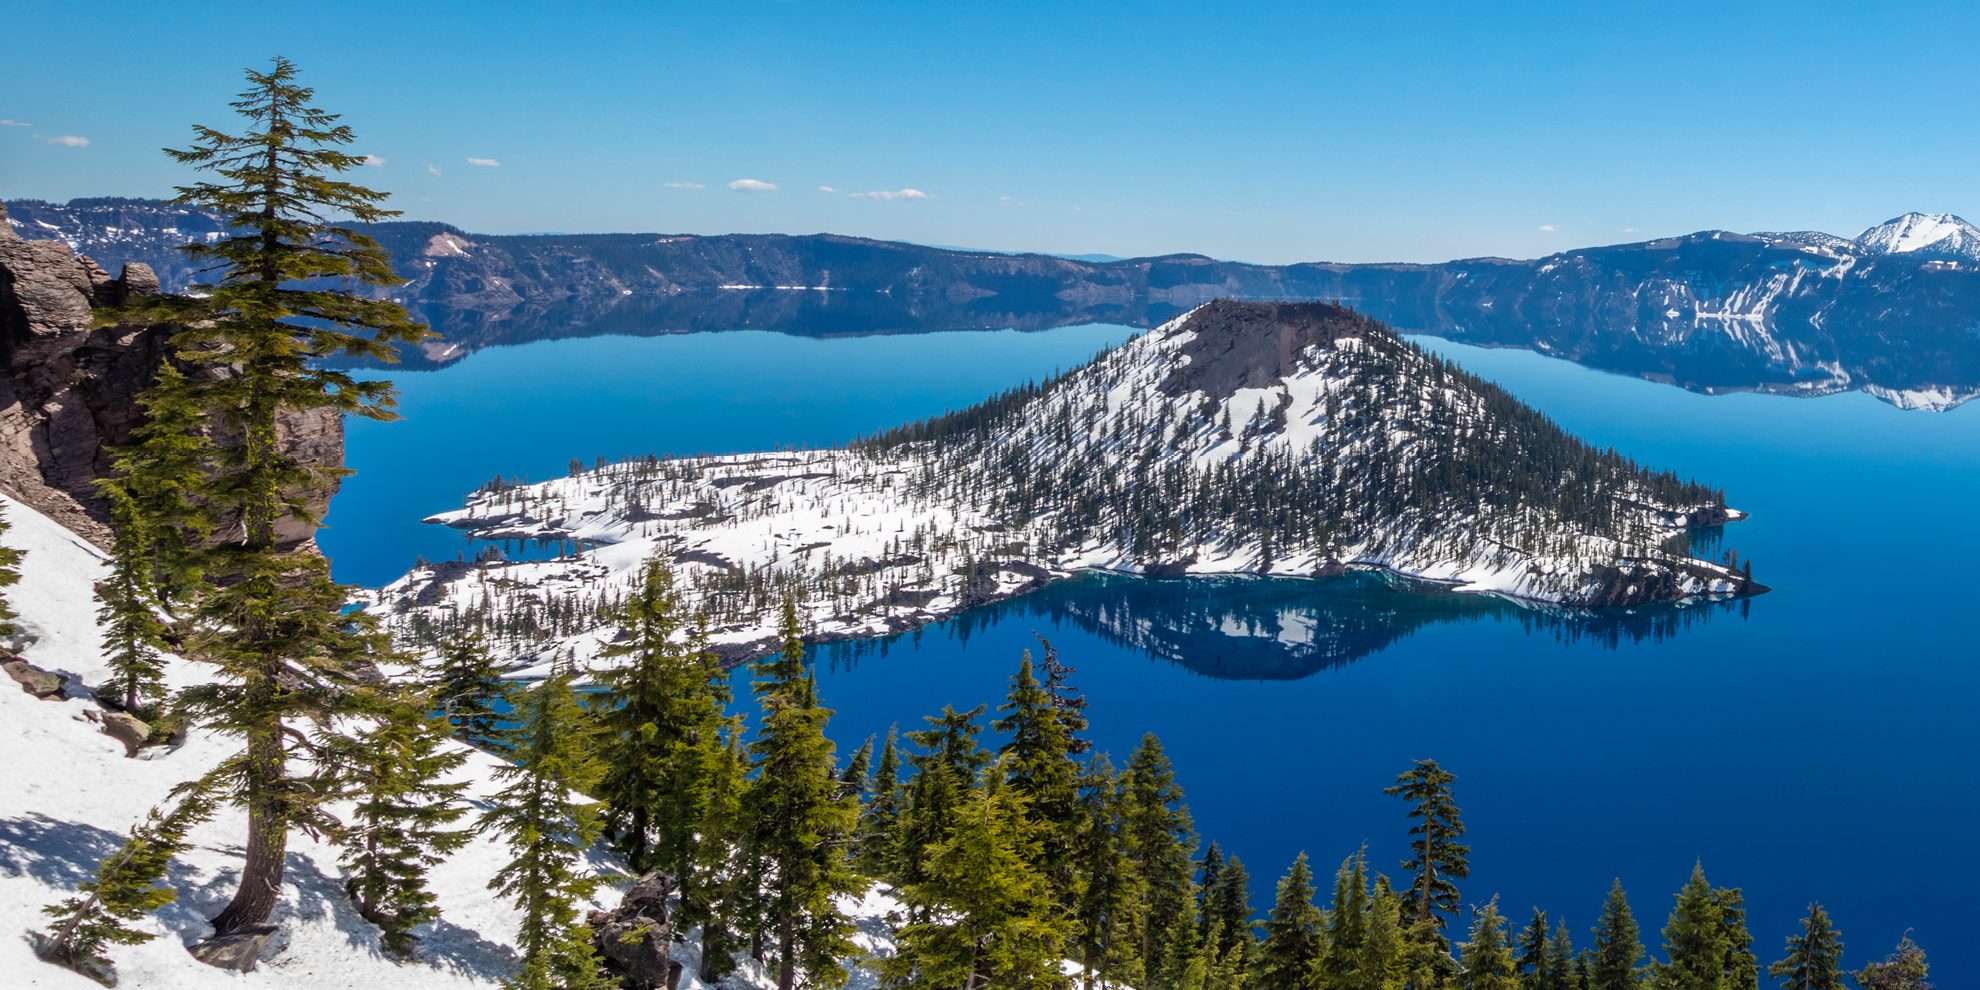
(1806, 313)
(1935, 235)
(1249, 438)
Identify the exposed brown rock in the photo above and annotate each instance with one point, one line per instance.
(68, 392)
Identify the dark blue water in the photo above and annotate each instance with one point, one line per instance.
(1812, 744)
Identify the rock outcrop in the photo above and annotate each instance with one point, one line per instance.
(634, 937)
(69, 388)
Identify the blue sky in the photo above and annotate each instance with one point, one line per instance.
(1266, 132)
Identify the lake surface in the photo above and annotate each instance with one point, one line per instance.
(1815, 743)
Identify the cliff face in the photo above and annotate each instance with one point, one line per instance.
(68, 389)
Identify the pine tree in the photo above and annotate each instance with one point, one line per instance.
(802, 823)
(992, 919)
(471, 691)
(1561, 970)
(1437, 858)
(1533, 952)
(1111, 912)
(668, 696)
(128, 884)
(1289, 957)
(1814, 956)
(1227, 905)
(874, 852)
(1694, 939)
(1347, 926)
(1742, 967)
(1618, 953)
(1160, 842)
(1038, 764)
(856, 779)
(1487, 962)
(133, 634)
(401, 824)
(1904, 969)
(721, 900)
(161, 472)
(946, 761)
(548, 827)
(1066, 700)
(286, 298)
(10, 575)
(1383, 963)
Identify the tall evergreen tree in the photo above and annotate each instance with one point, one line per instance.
(1533, 952)
(1437, 858)
(857, 778)
(1742, 967)
(874, 851)
(1694, 939)
(1617, 963)
(1384, 965)
(133, 634)
(668, 697)
(548, 825)
(162, 473)
(471, 691)
(1227, 905)
(1066, 700)
(1904, 969)
(1289, 957)
(1487, 962)
(402, 820)
(716, 893)
(1814, 955)
(1160, 842)
(802, 824)
(946, 761)
(1112, 911)
(1037, 761)
(1347, 927)
(128, 884)
(286, 298)
(992, 920)
(1562, 972)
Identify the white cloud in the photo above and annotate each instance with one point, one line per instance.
(892, 194)
(372, 161)
(485, 162)
(1011, 201)
(11, 122)
(1547, 228)
(1629, 230)
(684, 185)
(827, 189)
(69, 141)
(752, 185)
(432, 169)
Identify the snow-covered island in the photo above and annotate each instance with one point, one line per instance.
(1242, 438)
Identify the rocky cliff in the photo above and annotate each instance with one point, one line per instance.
(69, 387)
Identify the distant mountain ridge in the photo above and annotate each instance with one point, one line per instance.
(1894, 311)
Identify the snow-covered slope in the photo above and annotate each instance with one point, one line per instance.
(1926, 234)
(1289, 439)
(69, 794)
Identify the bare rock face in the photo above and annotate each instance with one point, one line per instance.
(68, 390)
(43, 684)
(127, 729)
(238, 951)
(635, 937)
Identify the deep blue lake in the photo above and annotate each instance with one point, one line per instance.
(1813, 744)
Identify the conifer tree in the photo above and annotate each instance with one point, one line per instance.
(286, 298)
(668, 697)
(874, 852)
(1160, 842)
(1814, 955)
(1533, 952)
(471, 691)
(946, 761)
(1694, 939)
(1437, 858)
(402, 822)
(714, 891)
(1347, 926)
(1384, 965)
(1038, 764)
(1289, 957)
(1562, 973)
(133, 634)
(1742, 967)
(1904, 969)
(991, 916)
(161, 473)
(1227, 905)
(1066, 700)
(1112, 912)
(802, 824)
(1487, 961)
(10, 575)
(857, 778)
(548, 826)
(127, 885)
(1618, 952)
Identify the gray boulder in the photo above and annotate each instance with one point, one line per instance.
(127, 729)
(635, 938)
(238, 950)
(42, 684)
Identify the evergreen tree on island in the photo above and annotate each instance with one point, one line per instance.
(288, 294)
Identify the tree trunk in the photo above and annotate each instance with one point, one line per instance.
(267, 845)
(786, 948)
